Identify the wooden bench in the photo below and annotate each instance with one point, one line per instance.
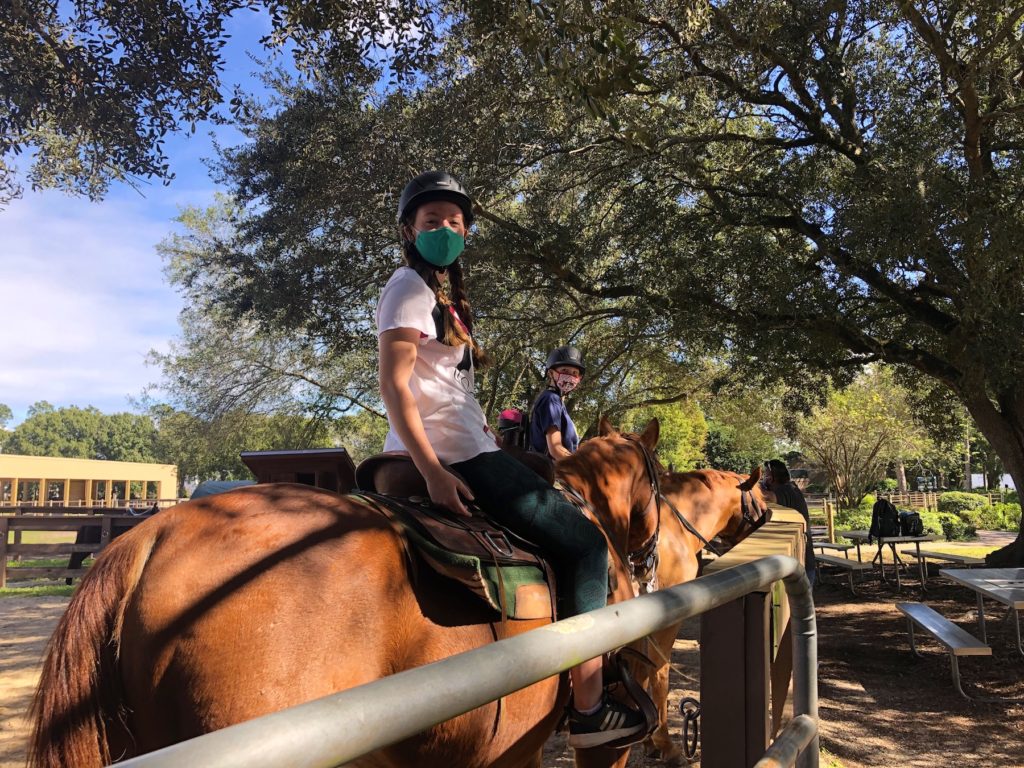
(946, 556)
(958, 641)
(823, 545)
(846, 563)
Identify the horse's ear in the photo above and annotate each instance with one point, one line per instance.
(751, 481)
(649, 436)
(605, 428)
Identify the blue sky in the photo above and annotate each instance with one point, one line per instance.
(84, 296)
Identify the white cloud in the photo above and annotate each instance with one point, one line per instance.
(83, 299)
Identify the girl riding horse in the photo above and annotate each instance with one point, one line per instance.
(427, 359)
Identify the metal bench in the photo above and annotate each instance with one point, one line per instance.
(846, 563)
(958, 641)
(946, 556)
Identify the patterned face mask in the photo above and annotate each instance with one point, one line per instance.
(566, 382)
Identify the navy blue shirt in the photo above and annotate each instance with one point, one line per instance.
(549, 411)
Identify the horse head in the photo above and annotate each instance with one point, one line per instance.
(616, 475)
(748, 510)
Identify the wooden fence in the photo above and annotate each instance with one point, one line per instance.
(92, 533)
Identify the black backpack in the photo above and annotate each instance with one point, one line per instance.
(885, 519)
(911, 524)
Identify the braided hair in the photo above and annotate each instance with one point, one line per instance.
(453, 295)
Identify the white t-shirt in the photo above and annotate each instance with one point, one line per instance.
(442, 378)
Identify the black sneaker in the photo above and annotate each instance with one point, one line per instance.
(612, 722)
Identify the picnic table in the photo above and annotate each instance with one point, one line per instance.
(1005, 585)
(861, 537)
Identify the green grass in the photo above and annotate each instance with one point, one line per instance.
(50, 590)
(48, 562)
(44, 537)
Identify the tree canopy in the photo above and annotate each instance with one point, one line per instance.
(92, 89)
(787, 187)
(859, 432)
(83, 433)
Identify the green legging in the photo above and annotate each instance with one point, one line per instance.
(522, 501)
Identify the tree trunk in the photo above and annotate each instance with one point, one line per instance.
(1004, 429)
(967, 458)
(901, 476)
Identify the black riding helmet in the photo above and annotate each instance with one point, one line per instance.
(566, 356)
(434, 185)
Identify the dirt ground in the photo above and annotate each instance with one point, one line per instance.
(879, 705)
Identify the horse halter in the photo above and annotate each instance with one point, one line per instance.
(747, 503)
(643, 562)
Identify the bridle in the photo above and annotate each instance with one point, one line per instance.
(746, 504)
(641, 562)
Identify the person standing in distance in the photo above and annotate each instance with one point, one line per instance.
(427, 359)
(551, 427)
(781, 490)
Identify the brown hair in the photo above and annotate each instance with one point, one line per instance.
(455, 296)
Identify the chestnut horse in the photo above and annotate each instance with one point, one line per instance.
(236, 605)
(712, 503)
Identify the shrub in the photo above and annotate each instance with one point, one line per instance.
(853, 520)
(1005, 517)
(1011, 497)
(866, 504)
(957, 501)
(952, 527)
(888, 485)
(979, 518)
(956, 528)
(932, 522)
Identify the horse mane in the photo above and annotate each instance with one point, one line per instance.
(75, 707)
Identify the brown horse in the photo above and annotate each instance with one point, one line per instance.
(240, 604)
(713, 504)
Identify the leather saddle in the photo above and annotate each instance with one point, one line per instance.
(506, 571)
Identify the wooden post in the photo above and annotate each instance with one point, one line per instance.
(3, 551)
(830, 521)
(736, 683)
(105, 531)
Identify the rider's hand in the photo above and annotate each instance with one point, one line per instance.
(444, 489)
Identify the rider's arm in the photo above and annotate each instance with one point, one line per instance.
(398, 349)
(554, 440)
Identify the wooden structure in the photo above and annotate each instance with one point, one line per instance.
(108, 525)
(52, 481)
(328, 468)
(746, 664)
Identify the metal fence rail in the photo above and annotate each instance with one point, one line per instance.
(342, 727)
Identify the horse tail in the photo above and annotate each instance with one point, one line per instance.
(77, 708)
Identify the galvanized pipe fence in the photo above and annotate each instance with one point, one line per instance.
(337, 729)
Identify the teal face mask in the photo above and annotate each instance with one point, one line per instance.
(440, 246)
